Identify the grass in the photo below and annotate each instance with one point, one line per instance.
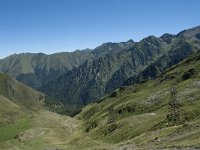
(134, 117)
(141, 110)
(11, 131)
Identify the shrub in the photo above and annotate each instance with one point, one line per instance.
(91, 126)
(110, 128)
(114, 94)
(188, 74)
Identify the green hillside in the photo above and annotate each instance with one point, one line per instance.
(136, 116)
(159, 108)
(25, 122)
(132, 117)
(20, 94)
(37, 69)
(123, 64)
(83, 76)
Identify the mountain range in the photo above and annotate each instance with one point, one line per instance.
(82, 77)
(134, 116)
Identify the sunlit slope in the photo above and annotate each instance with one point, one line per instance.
(24, 122)
(35, 69)
(130, 63)
(136, 116)
(19, 93)
(132, 117)
(39, 130)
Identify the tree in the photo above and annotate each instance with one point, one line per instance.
(174, 106)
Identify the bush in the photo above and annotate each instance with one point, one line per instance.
(110, 128)
(188, 74)
(114, 94)
(91, 126)
(125, 109)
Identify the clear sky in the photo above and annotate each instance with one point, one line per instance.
(50, 26)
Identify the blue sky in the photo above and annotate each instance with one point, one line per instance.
(50, 26)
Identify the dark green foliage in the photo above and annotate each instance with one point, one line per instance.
(126, 109)
(188, 74)
(111, 119)
(112, 116)
(108, 129)
(114, 94)
(174, 106)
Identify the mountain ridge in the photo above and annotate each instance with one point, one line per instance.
(93, 79)
(83, 77)
(134, 115)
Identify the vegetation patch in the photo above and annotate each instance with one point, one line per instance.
(91, 126)
(108, 129)
(188, 74)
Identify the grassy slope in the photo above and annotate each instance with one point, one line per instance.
(137, 115)
(24, 129)
(134, 118)
(23, 122)
(19, 93)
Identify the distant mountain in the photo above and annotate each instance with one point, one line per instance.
(37, 69)
(123, 64)
(82, 77)
(131, 117)
(136, 116)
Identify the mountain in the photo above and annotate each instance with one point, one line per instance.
(82, 77)
(20, 94)
(25, 122)
(136, 116)
(123, 65)
(37, 69)
(131, 117)
(30, 99)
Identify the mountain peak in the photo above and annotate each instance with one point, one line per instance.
(192, 34)
(167, 38)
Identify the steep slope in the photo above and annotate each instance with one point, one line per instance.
(180, 50)
(41, 130)
(108, 48)
(135, 61)
(20, 94)
(24, 122)
(36, 69)
(132, 117)
(135, 117)
(82, 77)
(88, 80)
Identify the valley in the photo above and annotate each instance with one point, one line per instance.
(121, 94)
(134, 117)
